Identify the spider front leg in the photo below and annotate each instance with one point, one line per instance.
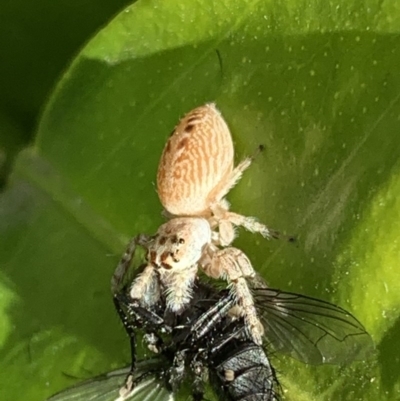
(120, 303)
(121, 271)
(232, 264)
(125, 304)
(133, 317)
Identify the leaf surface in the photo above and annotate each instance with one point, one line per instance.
(317, 83)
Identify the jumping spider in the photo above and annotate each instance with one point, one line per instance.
(195, 173)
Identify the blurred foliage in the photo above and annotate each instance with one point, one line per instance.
(37, 41)
(318, 83)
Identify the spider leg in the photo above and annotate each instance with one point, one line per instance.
(226, 219)
(233, 177)
(230, 180)
(146, 287)
(117, 279)
(130, 312)
(233, 265)
(251, 224)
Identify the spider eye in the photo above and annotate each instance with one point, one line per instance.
(173, 257)
(162, 240)
(181, 240)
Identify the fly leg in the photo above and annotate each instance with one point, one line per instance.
(131, 315)
(200, 377)
(176, 373)
(118, 291)
(208, 320)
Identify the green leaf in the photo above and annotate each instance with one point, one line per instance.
(11, 140)
(316, 82)
(37, 38)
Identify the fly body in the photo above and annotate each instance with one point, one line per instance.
(208, 342)
(224, 355)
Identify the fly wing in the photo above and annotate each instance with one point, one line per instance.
(311, 330)
(107, 387)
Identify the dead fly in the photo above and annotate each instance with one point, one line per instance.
(223, 354)
(205, 343)
(209, 342)
(308, 329)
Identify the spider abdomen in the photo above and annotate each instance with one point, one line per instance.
(196, 159)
